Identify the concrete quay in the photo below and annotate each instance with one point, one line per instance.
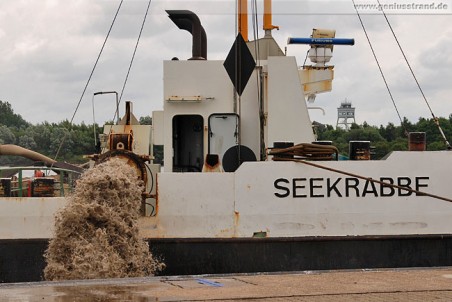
(415, 284)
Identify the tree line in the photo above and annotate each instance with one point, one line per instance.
(385, 139)
(46, 138)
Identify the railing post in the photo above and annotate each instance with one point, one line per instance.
(20, 183)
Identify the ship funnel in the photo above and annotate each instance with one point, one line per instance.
(189, 21)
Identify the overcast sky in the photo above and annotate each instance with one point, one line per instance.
(48, 48)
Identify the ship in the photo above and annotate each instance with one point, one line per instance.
(245, 186)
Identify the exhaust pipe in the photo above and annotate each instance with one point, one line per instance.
(189, 21)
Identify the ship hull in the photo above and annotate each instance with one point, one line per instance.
(271, 216)
(22, 260)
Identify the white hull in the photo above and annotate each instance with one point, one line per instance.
(253, 201)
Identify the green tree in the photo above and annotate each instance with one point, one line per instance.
(364, 134)
(9, 118)
(6, 135)
(146, 120)
(27, 142)
(389, 133)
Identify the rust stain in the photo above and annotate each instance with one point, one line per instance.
(236, 222)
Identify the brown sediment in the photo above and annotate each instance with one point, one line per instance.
(96, 234)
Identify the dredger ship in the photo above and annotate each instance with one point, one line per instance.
(245, 186)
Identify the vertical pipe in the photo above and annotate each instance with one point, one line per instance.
(268, 26)
(268, 15)
(243, 18)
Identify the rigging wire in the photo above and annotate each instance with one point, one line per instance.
(379, 67)
(89, 79)
(306, 58)
(435, 119)
(259, 77)
(237, 97)
(255, 28)
(134, 52)
(94, 122)
(236, 32)
(130, 65)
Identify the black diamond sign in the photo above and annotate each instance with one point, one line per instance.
(239, 64)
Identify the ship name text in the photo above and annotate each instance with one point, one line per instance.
(319, 187)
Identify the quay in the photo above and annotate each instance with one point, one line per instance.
(414, 284)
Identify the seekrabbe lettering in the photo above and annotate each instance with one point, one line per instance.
(320, 187)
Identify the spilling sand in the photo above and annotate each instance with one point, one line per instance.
(96, 234)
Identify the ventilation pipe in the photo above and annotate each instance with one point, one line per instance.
(189, 21)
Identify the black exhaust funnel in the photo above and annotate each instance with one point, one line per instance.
(189, 21)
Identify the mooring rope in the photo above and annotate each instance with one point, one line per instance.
(307, 151)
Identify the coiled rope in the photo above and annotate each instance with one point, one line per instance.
(306, 151)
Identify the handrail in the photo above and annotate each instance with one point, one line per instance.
(6, 168)
(20, 189)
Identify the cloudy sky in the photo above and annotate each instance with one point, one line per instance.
(48, 48)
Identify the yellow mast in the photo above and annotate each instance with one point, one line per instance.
(243, 18)
(268, 16)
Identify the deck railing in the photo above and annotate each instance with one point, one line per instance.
(13, 182)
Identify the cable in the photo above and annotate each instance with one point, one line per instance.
(306, 58)
(259, 79)
(94, 122)
(130, 65)
(89, 79)
(152, 179)
(435, 119)
(134, 52)
(379, 67)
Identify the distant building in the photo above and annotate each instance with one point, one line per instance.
(345, 115)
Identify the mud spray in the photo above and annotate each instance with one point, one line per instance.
(96, 234)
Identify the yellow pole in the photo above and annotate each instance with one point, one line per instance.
(243, 18)
(268, 16)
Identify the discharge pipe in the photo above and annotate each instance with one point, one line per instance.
(35, 156)
(19, 151)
